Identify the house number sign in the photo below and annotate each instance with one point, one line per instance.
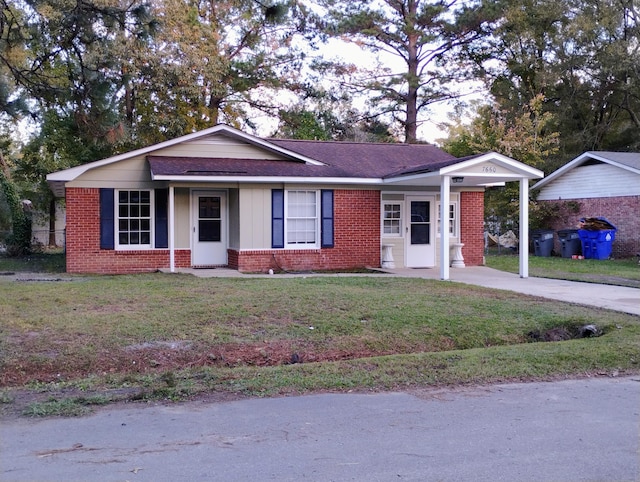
(489, 169)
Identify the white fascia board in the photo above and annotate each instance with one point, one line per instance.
(410, 177)
(71, 173)
(269, 180)
(600, 157)
(559, 172)
(520, 169)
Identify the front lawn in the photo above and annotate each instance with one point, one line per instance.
(160, 336)
(621, 272)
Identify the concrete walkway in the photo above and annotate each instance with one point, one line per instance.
(618, 298)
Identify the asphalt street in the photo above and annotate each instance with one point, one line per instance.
(572, 430)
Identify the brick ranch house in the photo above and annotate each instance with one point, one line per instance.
(598, 184)
(221, 197)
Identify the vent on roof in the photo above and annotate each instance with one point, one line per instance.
(199, 171)
(592, 162)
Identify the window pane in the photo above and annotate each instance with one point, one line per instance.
(420, 211)
(209, 207)
(419, 234)
(209, 230)
(134, 217)
(302, 213)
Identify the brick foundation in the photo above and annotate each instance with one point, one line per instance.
(622, 212)
(472, 227)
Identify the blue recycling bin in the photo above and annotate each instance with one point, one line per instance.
(597, 244)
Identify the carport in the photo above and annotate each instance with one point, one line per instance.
(481, 171)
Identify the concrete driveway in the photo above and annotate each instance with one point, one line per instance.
(574, 430)
(618, 298)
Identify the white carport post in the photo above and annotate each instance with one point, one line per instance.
(172, 255)
(445, 190)
(524, 227)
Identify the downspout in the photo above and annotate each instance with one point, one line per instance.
(444, 224)
(524, 227)
(172, 254)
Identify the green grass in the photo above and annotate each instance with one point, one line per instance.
(35, 263)
(160, 336)
(621, 272)
(64, 407)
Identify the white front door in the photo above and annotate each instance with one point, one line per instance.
(209, 234)
(420, 232)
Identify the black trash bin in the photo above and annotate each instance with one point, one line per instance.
(570, 244)
(542, 242)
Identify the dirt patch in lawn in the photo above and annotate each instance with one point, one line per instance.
(55, 365)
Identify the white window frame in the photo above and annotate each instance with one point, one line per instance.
(400, 205)
(133, 247)
(453, 221)
(288, 218)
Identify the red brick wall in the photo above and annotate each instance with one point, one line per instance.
(623, 212)
(356, 240)
(83, 242)
(472, 227)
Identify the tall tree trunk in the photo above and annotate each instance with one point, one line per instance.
(411, 122)
(52, 222)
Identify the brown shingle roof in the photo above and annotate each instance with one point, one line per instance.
(340, 159)
(368, 159)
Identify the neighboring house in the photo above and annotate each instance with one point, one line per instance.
(221, 197)
(598, 184)
(41, 229)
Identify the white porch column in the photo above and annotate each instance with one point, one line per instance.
(445, 189)
(172, 216)
(524, 227)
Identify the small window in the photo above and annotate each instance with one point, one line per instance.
(301, 219)
(133, 219)
(452, 219)
(391, 219)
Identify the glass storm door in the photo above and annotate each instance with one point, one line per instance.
(208, 229)
(419, 233)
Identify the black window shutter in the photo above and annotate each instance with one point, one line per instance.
(107, 221)
(161, 218)
(326, 215)
(277, 218)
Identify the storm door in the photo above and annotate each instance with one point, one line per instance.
(420, 232)
(209, 237)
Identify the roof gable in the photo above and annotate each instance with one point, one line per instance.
(206, 134)
(628, 161)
